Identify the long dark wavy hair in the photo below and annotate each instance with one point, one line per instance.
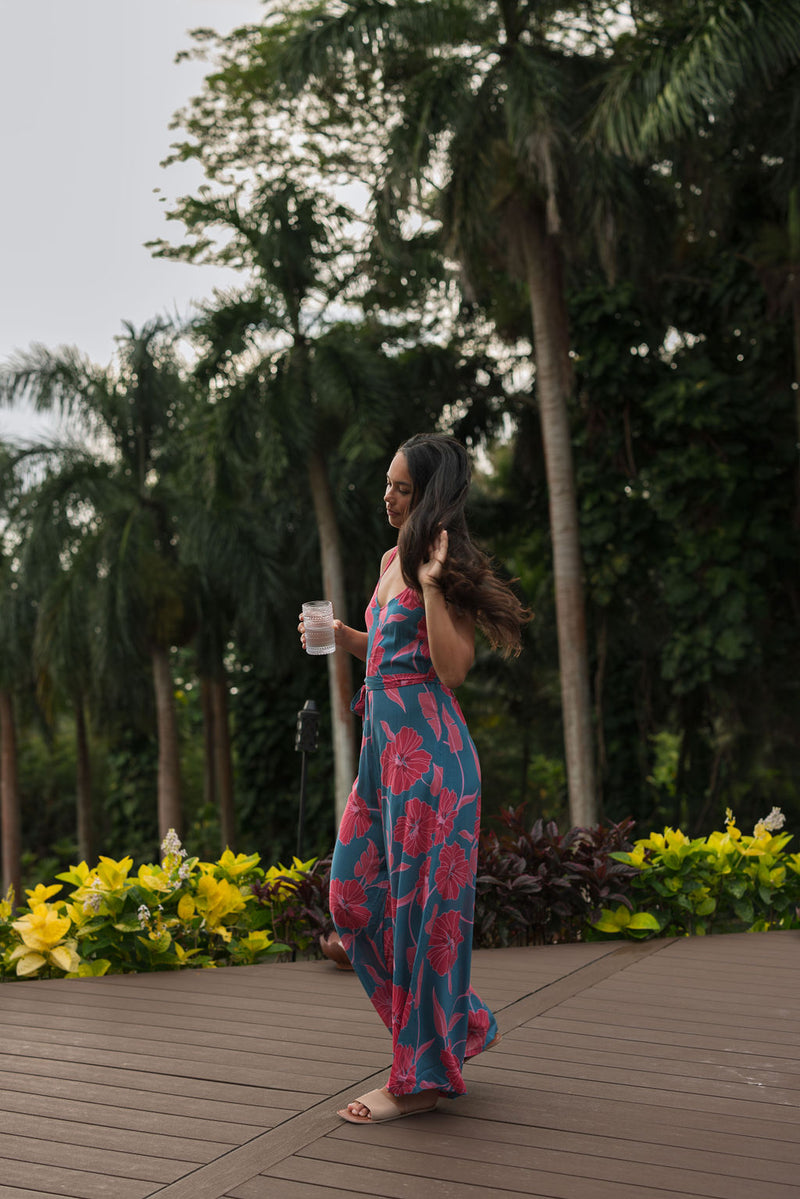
(440, 475)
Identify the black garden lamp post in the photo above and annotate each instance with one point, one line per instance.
(305, 742)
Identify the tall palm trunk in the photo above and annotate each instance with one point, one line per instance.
(169, 778)
(223, 761)
(209, 780)
(340, 677)
(553, 387)
(83, 783)
(9, 798)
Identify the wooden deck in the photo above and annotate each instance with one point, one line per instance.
(654, 1071)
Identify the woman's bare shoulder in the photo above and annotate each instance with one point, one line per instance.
(387, 557)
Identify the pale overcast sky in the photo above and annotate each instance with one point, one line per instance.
(87, 91)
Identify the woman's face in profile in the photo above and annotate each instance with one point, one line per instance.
(399, 491)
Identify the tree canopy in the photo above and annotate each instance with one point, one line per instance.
(567, 233)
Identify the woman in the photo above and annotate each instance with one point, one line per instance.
(403, 876)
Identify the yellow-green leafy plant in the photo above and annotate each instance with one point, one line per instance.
(728, 881)
(296, 899)
(180, 912)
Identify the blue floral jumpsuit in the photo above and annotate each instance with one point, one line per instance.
(403, 876)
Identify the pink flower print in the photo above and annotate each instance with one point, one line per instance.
(473, 857)
(381, 1000)
(445, 815)
(477, 1028)
(453, 734)
(401, 1008)
(452, 872)
(421, 888)
(388, 947)
(453, 1070)
(445, 938)
(376, 652)
(356, 819)
(414, 829)
(403, 1077)
(430, 710)
(403, 762)
(368, 864)
(348, 904)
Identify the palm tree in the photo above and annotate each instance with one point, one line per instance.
(62, 645)
(713, 88)
(488, 109)
(16, 623)
(689, 65)
(231, 544)
(306, 390)
(121, 489)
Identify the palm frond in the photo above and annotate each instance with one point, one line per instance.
(64, 379)
(664, 86)
(317, 44)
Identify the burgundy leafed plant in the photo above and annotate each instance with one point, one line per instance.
(536, 885)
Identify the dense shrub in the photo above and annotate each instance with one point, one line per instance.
(183, 912)
(726, 882)
(534, 885)
(537, 885)
(297, 904)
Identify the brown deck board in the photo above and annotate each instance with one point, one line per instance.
(492, 1140)
(73, 1132)
(420, 1152)
(71, 1183)
(626, 1071)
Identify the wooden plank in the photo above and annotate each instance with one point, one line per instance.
(68, 1183)
(307, 1082)
(167, 1073)
(19, 1193)
(141, 1110)
(764, 1111)
(42, 1152)
(723, 1015)
(543, 1034)
(610, 1023)
(263, 1058)
(248, 1098)
(517, 1171)
(56, 1130)
(619, 1055)
(617, 1110)
(536, 1003)
(528, 1072)
(678, 978)
(588, 1157)
(386, 1175)
(631, 1139)
(163, 1029)
(254, 1189)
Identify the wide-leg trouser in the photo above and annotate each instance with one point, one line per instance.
(403, 883)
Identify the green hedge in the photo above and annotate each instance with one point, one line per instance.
(534, 885)
(727, 882)
(183, 912)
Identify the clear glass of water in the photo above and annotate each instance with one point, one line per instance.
(318, 622)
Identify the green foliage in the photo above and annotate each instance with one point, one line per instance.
(197, 523)
(297, 903)
(686, 474)
(725, 882)
(180, 913)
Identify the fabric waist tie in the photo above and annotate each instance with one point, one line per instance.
(387, 682)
